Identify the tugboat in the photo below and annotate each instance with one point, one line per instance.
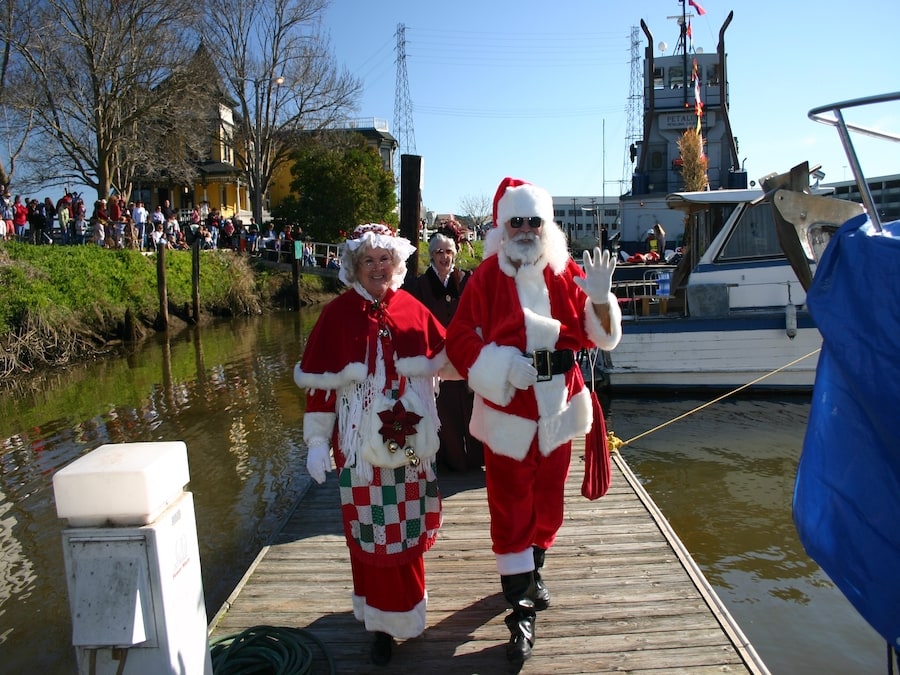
(732, 313)
(685, 89)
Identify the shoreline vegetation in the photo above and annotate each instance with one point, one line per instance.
(63, 304)
(68, 304)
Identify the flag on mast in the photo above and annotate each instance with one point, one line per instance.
(698, 102)
(696, 5)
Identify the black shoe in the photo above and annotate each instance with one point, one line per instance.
(382, 646)
(521, 636)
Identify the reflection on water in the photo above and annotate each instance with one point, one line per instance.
(723, 477)
(227, 392)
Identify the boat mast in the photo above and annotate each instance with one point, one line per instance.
(682, 44)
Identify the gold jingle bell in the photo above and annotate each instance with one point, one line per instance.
(393, 446)
(412, 457)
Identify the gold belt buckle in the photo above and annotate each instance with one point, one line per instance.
(541, 360)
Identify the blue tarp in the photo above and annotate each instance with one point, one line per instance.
(847, 492)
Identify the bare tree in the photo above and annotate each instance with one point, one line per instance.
(105, 79)
(278, 67)
(478, 208)
(15, 123)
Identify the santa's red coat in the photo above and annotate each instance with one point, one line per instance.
(506, 312)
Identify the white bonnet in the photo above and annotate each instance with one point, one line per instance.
(375, 235)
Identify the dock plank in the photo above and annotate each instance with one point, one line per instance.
(626, 595)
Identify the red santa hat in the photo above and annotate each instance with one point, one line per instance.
(516, 197)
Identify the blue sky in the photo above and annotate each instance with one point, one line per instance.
(539, 90)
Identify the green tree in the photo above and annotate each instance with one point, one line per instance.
(340, 182)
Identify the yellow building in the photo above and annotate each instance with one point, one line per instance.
(221, 179)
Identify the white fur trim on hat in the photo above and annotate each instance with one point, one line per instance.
(524, 200)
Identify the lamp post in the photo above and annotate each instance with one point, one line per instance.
(574, 225)
(593, 210)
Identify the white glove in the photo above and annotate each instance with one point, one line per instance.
(597, 281)
(318, 459)
(522, 373)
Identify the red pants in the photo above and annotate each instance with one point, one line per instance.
(526, 498)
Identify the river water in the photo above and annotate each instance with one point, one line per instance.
(723, 476)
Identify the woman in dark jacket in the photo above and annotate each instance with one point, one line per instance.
(439, 289)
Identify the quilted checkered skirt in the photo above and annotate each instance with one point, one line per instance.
(392, 520)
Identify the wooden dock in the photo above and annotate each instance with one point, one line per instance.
(626, 595)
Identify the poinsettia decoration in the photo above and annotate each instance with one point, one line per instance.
(398, 423)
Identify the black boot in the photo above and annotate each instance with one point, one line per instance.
(541, 592)
(518, 589)
(382, 646)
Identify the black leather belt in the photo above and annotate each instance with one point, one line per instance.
(548, 363)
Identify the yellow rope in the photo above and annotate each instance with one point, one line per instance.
(616, 443)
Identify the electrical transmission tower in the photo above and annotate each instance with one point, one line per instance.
(403, 123)
(633, 132)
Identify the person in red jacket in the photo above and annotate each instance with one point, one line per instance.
(528, 309)
(20, 217)
(369, 368)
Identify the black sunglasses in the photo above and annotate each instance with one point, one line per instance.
(534, 221)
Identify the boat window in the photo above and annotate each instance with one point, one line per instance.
(676, 77)
(658, 81)
(707, 223)
(712, 74)
(754, 236)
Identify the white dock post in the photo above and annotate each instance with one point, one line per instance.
(132, 561)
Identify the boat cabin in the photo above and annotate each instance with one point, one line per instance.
(735, 261)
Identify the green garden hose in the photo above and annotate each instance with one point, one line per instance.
(266, 649)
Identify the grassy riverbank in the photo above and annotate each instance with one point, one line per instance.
(71, 303)
(65, 303)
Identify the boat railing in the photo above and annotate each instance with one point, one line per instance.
(844, 129)
(636, 296)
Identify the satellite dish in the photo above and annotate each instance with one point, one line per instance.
(699, 50)
(662, 47)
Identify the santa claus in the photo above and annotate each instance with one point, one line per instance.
(528, 309)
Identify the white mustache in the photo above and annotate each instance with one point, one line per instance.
(525, 235)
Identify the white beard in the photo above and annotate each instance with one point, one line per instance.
(525, 248)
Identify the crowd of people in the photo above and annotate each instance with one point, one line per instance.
(28, 219)
(381, 408)
(116, 223)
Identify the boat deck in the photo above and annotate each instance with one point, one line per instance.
(626, 595)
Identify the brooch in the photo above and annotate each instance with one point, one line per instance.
(397, 424)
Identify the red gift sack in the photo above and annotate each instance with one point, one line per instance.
(597, 465)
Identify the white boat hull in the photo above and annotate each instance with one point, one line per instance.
(682, 353)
